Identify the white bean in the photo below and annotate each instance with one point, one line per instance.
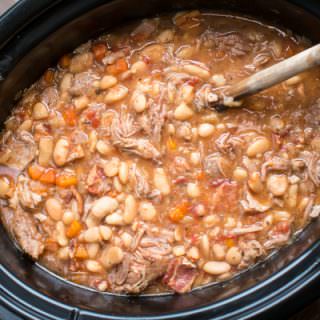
(26, 125)
(193, 253)
(117, 184)
(292, 196)
(116, 94)
(107, 82)
(91, 235)
(196, 71)
(166, 36)
(66, 82)
(104, 206)
(147, 211)
(111, 168)
(68, 217)
(240, 174)
(81, 102)
(218, 80)
(178, 233)
(255, 183)
(293, 80)
(40, 111)
(161, 182)
(104, 148)
(61, 151)
(130, 209)
(185, 52)
(216, 267)
(63, 253)
(187, 93)
(218, 251)
(139, 67)
(81, 62)
(123, 172)
(178, 251)
(112, 256)
(93, 266)
(115, 219)
(105, 232)
(54, 209)
(205, 130)
(195, 158)
(193, 190)
(154, 52)
(183, 112)
(92, 249)
(139, 101)
(126, 239)
(211, 220)
(234, 256)
(277, 184)
(45, 150)
(205, 246)
(4, 187)
(61, 234)
(259, 146)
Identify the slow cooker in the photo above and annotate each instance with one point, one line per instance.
(34, 34)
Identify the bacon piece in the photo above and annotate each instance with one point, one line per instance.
(180, 275)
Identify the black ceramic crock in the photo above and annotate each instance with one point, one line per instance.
(33, 35)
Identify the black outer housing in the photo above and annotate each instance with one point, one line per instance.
(34, 34)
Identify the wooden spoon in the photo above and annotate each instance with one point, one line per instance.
(268, 77)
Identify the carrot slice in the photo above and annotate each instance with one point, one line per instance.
(66, 180)
(172, 145)
(35, 172)
(179, 212)
(70, 116)
(48, 177)
(81, 252)
(74, 229)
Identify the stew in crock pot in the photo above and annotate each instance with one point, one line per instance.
(115, 173)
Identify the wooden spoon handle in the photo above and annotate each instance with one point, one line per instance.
(277, 73)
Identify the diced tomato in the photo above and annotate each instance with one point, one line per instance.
(194, 238)
(146, 59)
(93, 118)
(282, 227)
(180, 180)
(193, 81)
(118, 67)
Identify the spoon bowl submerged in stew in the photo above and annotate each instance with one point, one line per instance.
(116, 175)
